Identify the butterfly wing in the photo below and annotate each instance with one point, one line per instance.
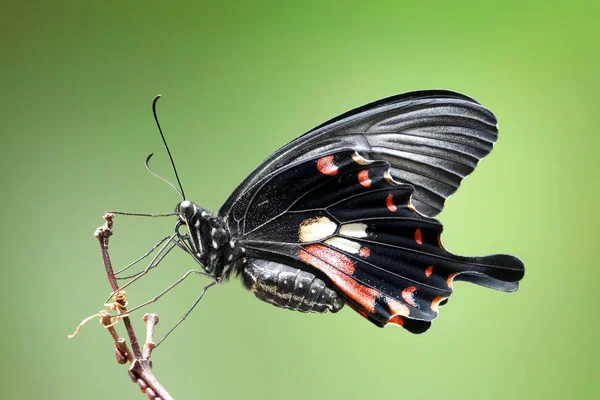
(431, 139)
(346, 218)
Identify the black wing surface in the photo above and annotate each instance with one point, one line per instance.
(345, 217)
(431, 139)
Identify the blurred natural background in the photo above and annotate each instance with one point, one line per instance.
(238, 81)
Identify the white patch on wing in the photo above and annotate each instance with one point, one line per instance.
(344, 244)
(356, 230)
(389, 179)
(313, 229)
(360, 160)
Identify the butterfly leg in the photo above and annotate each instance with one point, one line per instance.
(171, 286)
(213, 283)
(146, 254)
(160, 255)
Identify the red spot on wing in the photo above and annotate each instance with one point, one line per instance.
(364, 314)
(363, 178)
(397, 308)
(389, 202)
(449, 280)
(323, 258)
(397, 320)
(363, 295)
(408, 295)
(337, 267)
(326, 166)
(436, 303)
(418, 236)
(364, 252)
(429, 271)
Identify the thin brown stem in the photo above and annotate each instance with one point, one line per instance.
(151, 320)
(140, 370)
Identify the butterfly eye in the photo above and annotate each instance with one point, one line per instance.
(186, 209)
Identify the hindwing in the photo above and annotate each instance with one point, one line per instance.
(347, 218)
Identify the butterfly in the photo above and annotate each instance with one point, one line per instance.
(344, 214)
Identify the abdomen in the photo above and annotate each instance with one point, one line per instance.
(288, 287)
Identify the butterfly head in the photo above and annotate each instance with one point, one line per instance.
(186, 210)
(196, 220)
(206, 238)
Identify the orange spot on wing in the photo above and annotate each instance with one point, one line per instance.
(449, 280)
(408, 295)
(412, 208)
(389, 202)
(323, 258)
(363, 178)
(429, 271)
(326, 166)
(418, 236)
(440, 242)
(364, 252)
(388, 178)
(436, 303)
(397, 308)
(397, 320)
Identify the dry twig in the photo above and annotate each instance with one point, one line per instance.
(140, 370)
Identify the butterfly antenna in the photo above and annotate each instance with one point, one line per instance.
(182, 193)
(147, 164)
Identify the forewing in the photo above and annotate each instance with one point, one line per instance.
(345, 217)
(431, 139)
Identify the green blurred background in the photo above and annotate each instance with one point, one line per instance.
(239, 80)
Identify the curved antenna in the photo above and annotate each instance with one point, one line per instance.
(147, 163)
(182, 193)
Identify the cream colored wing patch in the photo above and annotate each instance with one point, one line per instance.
(315, 229)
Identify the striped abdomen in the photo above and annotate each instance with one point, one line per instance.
(288, 287)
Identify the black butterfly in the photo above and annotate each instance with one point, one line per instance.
(344, 214)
